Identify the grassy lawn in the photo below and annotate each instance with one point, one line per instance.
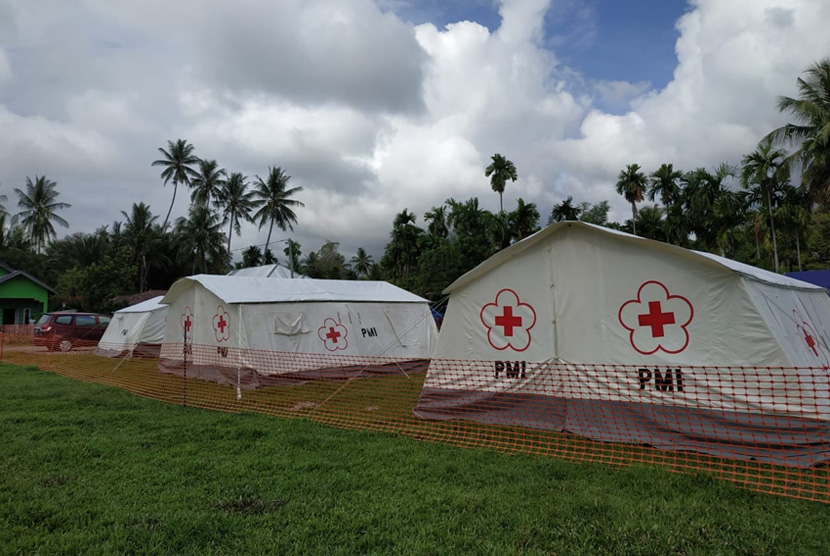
(92, 469)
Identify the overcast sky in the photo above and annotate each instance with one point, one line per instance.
(376, 106)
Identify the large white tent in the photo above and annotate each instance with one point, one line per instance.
(620, 338)
(137, 330)
(267, 271)
(254, 331)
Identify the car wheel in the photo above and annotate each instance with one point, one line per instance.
(65, 345)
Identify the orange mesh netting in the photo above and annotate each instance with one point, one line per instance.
(767, 429)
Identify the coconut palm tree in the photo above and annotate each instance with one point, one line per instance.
(631, 184)
(142, 236)
(177, 162)
(761, 173)
(811, 135)
(664, 182)
(566, 210)
(292, 254)
(236, 202)
(523, 221)
(38, 204)
(208, 182)
(794, 214)
(362, 262)
(652, 224)
(437, 218)
(251, 256)
(499, 171)
(200, 239)
(274, 202)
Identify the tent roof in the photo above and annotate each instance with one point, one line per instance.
(704, 258)
(266, 271)
(243, 289)
(145, 306)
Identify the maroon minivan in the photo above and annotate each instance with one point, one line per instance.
(63, 331)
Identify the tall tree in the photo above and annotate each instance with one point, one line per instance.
(38, 204)
(594, 214)
(664, 183)
(207, 182)
(811, 135)
(566, 210)
(794, 215)
(499, 171)
(274, 202)
(437, 226)
(200, 240)
(761, 173)
(631, 184)
(362, 262)
(141, 236)
(251, 256)
(237, 203)
(177, 162)
(523, 221)
(292, 254)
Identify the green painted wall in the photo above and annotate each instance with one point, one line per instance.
(19, 293)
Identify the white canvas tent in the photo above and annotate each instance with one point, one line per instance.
(136, 331)
(582, 328)
(267, 271)
(251, 332)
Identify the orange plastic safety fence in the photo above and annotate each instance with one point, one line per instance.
(767, 429)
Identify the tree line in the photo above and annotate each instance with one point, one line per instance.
(772, 210)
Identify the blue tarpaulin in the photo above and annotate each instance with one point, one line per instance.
(817, 277)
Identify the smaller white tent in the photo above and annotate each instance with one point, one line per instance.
(251, 332)
(136, 331)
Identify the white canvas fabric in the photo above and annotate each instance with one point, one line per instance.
(578, 295)
(267, 271)
(139, 327)
(321, 322)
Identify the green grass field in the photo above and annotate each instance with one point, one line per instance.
(90, 469)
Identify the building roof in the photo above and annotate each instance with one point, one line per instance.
(746, 270)
(15, 273)
(242, 289)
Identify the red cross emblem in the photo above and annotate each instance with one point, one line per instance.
(814, 347)
(508, 321)
(656, 320)
(333, 335)
(221, 324)
(187, 323)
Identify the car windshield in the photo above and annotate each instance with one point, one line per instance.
(43, 319)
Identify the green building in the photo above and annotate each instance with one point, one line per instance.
(22, 296)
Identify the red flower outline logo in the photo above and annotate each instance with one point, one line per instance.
(221, 324)
(333, 334)
(808, 334)
(508, 321)
(657, 320)
(187, 321)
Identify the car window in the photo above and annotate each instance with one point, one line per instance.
(63, 319)
(104, 320)
(85, 320)
(44, 319)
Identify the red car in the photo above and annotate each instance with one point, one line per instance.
(64, 330)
